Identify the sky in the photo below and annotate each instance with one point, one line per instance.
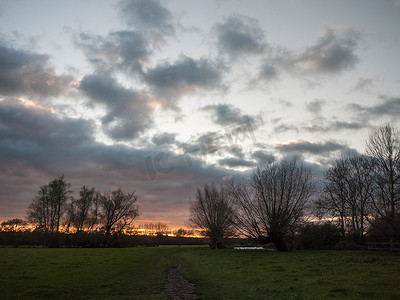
(162, 97)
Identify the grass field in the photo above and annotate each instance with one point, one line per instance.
(140, 273)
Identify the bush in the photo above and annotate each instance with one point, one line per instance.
(348, 245)
(318, 236)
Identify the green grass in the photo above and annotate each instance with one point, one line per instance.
(140, 273)
(240, 274)
(83, 273)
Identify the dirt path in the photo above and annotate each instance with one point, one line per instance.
(178, 287)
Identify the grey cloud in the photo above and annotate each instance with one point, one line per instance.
(148, 15)
(363, 84)
(164, 138)
(299, 147)
(285, 127)
(333, 53)
(389, 107)
(334, 126)
(227, 114)
(239, 35)
(322, 125)
(185, 76)
(263, 157)
(40, 127)
(235, 162)
(27, 73)
(33, 137)
(315, 106)
(124, 50)
(237, 151)
(268, 72)
(128, 111)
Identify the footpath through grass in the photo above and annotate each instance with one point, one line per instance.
(141, 273)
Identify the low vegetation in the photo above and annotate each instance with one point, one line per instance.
(141, 273)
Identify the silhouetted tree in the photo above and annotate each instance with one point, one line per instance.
(48, 208)
(271, 205)
(383, 145)
(118, 210)
(83, 211)
(212, 214)
(347, 193)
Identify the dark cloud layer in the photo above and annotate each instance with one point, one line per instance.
(27, 73)
(37, 145)
(128, 111)
(39, 126)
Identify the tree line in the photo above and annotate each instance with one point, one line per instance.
(359, 196)
(54, 209)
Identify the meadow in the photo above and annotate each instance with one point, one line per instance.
(141, 273)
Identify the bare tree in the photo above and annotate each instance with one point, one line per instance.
(38, 211)
(347, 192)
(118, 210)
(212, 214)
(49, 206)
(383, 145)
(271, 205)
(336, 193)
(83, 212)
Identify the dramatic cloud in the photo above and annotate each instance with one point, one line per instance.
(148, 15)
(240, 35)
(165, 96)
(298, 147)
(37, 145)
(29, 74)
(128, 111)
(333, 53)
(124, 50)
(227, 114)
(31, 135)
(185, 76)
